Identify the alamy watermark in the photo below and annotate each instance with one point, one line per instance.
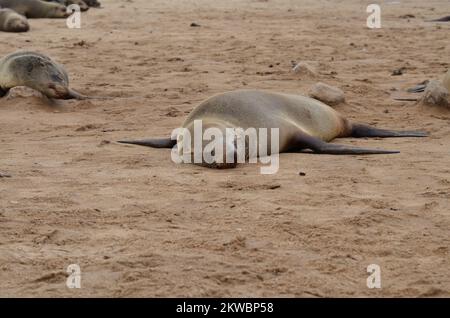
(74, 19)
(374, 279)
(74, 279)
(374, 19)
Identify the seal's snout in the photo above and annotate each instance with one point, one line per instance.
(61, 12)
(22, 26)
(225, 158)
(83, 6)
(18, 25)
(56, 91)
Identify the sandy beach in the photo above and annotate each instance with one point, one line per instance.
(140, 225)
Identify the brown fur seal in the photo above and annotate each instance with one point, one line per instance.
(82, 4)
(35, 9)
(11, 21)
(421, 86)
(303, 123)
(93, 3)
(36, 71)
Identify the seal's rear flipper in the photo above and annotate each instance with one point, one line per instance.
(304, 141)
(406, 99)
(154, 143)
(359, 130)
(334, 149)
(417, 89)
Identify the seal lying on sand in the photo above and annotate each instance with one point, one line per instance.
(303, 123)
(421, 86)
(35, 9)
(93, 3)
(36, 71)
(11, 21)
(82, 4)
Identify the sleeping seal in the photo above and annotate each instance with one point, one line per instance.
(421, 86)
(36, 9)
(302, 123)
(11, 21)
(82, 4)
(36, 71)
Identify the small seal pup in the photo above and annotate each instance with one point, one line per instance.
(11, 21)
(36, 9)
(302, 122)
(37, 71)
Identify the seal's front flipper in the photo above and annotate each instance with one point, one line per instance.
(304, 141)
(154, 143)
(360, 130)
(75, 95)
(444, 19)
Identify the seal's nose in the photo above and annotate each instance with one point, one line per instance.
(56, 91)
(23, 26)
(20, 26)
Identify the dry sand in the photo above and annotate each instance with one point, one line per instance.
(140, 225)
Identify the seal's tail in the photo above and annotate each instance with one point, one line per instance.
(154, 143)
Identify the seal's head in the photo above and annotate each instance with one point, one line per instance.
(47, 77)
(15, 22)
(220, 154)
(56, 91)
(92, 3)
(18, 25)
(57, 11)
(206, 143)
